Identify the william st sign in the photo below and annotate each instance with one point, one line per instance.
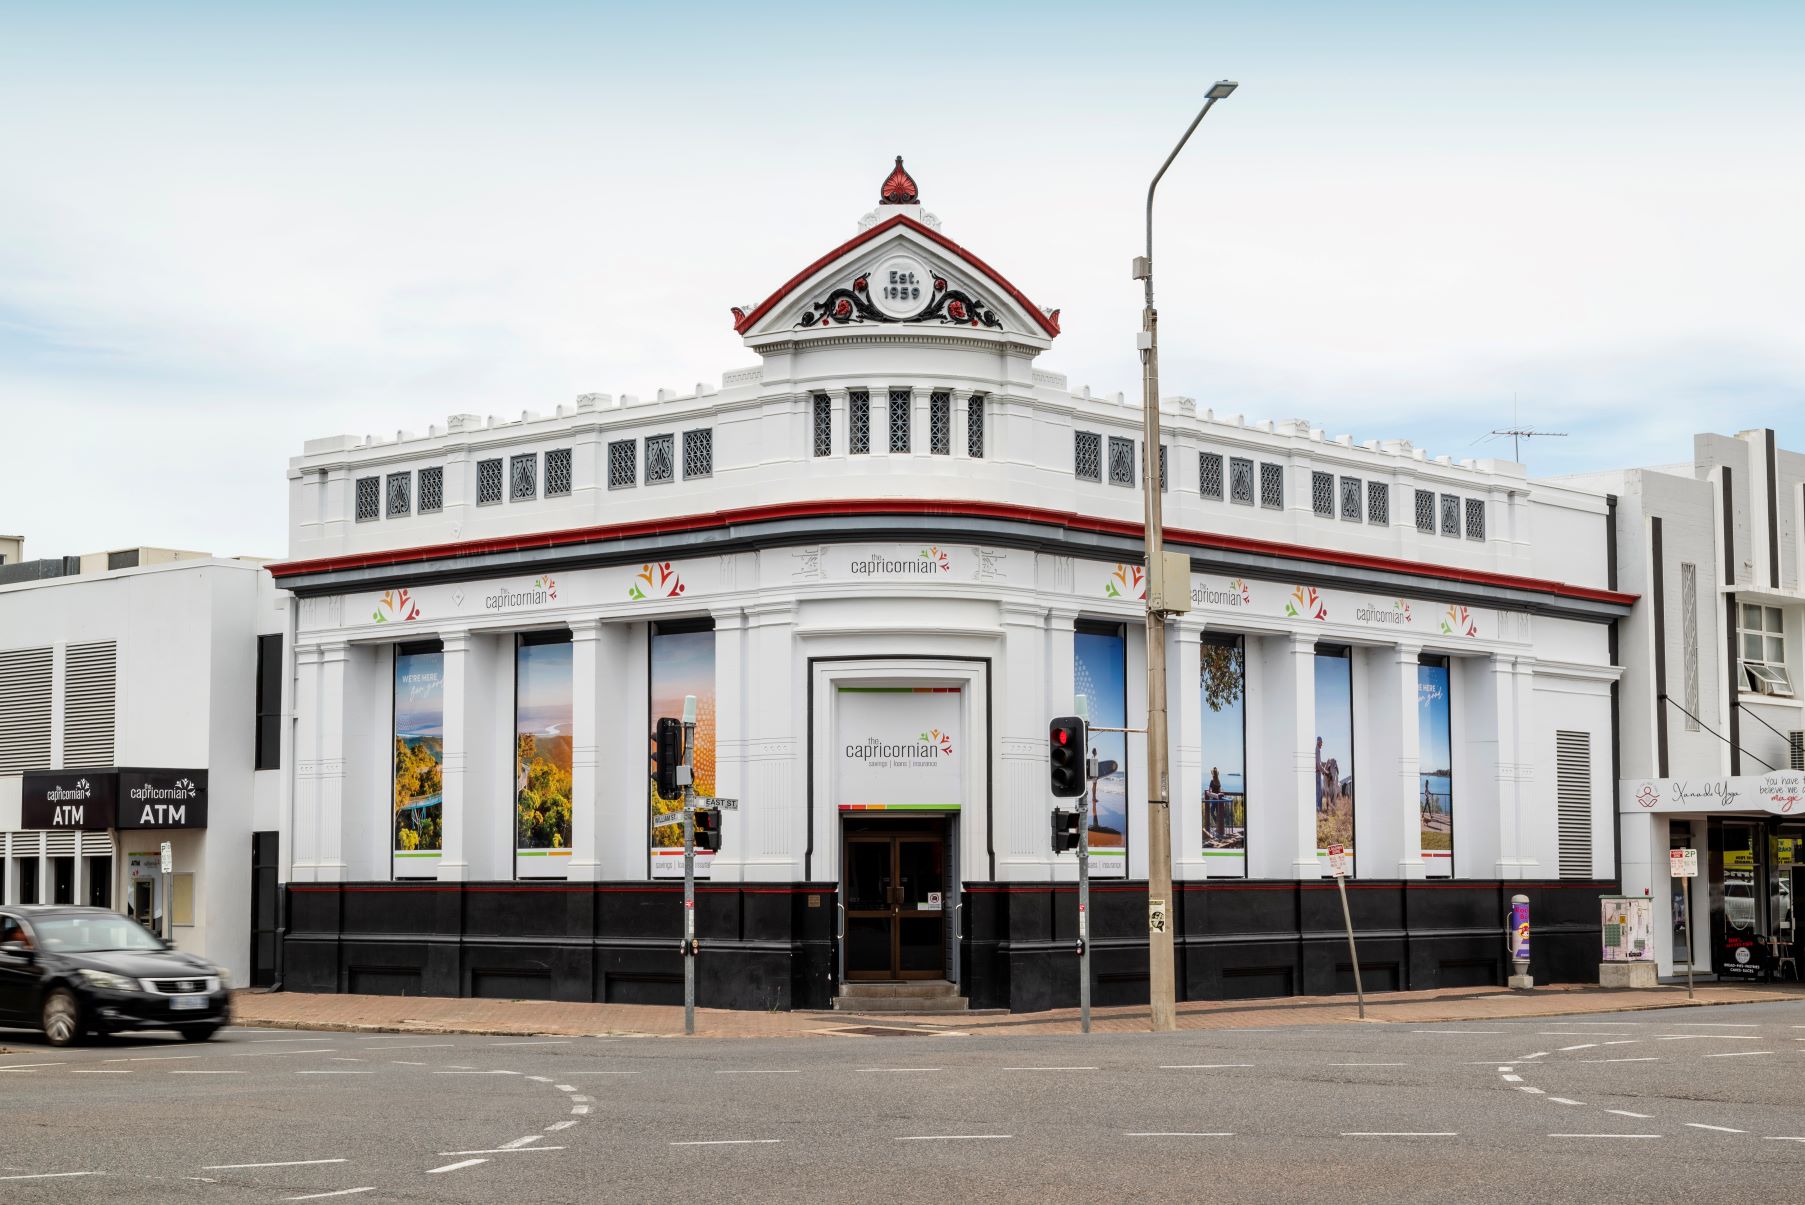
(126, 797)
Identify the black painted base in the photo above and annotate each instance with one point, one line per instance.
(772, 945)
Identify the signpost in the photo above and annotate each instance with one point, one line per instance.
(1338, 868)
(686, 780)
(168, 869)
(1080, 706)
(1682, 864)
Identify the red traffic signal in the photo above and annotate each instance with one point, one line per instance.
(1065, 751)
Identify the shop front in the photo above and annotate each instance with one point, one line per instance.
(1749, 832)
(94, 837)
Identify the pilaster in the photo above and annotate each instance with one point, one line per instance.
(1402, 695)
(1300, 684)
(585, 687)
(730, 741)
(454, 770)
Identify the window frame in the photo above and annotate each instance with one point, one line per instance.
(1767, 674)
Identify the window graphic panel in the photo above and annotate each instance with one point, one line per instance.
(1435, 765)
(542, 755)
(1100, 674)
(419, 753)
(682, 663)
(1334, 751)
(1223, 682)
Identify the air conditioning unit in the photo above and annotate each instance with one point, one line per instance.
(1797, 743)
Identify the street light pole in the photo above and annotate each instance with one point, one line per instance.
(1160, 963)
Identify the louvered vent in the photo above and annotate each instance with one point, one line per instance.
(1796, 741)
(24, 709)
(90, 674)
(1573, 802)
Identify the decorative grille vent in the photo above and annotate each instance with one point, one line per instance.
(1121, 460)
(974, 426)
(1378, 503)
(1322, 494)
(661, 456)
(1689, 640)
(1240, 481)
(1425, 511)
(1475, 518)
(1450, 515)
(24, 709)
(858, 421)
(698, 453)
(432, 490)
(899, 421)
(557, 473)
(1209, 474)
(623, 464)
(369, 498)
(1087, 456)
(940, 423)
(523, 477)
(488, 482)
(1351, 499)
(400, 502)
(1272, 486)
(90, 688)
(1573, 802)
(824, 425)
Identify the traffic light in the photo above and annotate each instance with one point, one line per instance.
(667, 755)
(1065, 747)
(708, 830)
(1065, 830)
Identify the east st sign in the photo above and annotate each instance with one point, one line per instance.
(113, 798)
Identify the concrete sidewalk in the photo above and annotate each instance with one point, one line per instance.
(420, 1014)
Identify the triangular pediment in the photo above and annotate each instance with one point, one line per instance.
(900, 273)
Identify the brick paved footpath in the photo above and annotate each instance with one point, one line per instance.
(418, 1014)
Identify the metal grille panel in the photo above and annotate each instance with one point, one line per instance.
(1573, 802)
(1162, 468)
(1209, 474)
(90, 691)
(1240, 481)
(488, 482)
(369, 498)
(1322, 494)
(1378, 503)
(400, 495)
(974, 426)
(623, 464)
(1121, 460)
(858, 422)
(523, 477)
(661, 457)
(1450, 515)
(1689, 640)
(24, 709)
(824, 424)
(940, 423)
(698, 453)
(557, 473)
(1475, 518)
(1352, 499)
(899, 421)
(432, 490)
(1272, 486)
(1425, 511)
(1087, 456)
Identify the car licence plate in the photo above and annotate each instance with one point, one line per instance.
(187, 1003)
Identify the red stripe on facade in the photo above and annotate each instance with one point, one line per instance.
(764, 307)
(867, 507)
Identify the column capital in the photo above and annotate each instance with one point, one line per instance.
(334, 650)
(1024, 615)
(1303, 642)
(728, 619)
(1062, 619)
(587, 627)
(306, 654)
(1404, 652)
(455, 640)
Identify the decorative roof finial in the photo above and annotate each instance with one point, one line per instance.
(899, 188)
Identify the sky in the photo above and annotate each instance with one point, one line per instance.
(230, 228)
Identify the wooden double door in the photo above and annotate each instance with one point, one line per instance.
(896, 902)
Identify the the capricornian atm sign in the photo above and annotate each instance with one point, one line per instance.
(114, 797)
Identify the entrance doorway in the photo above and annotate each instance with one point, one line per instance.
(896, 899)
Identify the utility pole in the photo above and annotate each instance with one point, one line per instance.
(1161, 978)
(686, 779)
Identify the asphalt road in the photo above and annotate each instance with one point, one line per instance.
(1633, 1107)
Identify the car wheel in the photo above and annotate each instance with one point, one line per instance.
(62, 1018)
(199, 1033)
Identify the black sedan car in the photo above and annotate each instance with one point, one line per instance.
(76, 971)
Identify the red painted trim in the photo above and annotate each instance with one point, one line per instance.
(925, 507)
(764, 307)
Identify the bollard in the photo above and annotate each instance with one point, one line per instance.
(1516, 941)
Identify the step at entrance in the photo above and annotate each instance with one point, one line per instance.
(913, 996)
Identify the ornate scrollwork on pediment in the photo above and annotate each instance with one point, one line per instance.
(852, 304)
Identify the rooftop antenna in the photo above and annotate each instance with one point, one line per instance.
(1518, 433)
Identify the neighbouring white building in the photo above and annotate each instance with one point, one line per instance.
(140, 702)
(1712, 710)
(883, 555)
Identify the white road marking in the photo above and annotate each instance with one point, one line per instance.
(232, 1167)
(417, 1046)
(1369, 1064)
(1050, 1068)
(1722, 1037)
(345, 1058)
(1581, 1046)
(558, 1042)
(1624, 1042)
(1645, 1058)
(1565, 1033)
(1781, 1138)
(29, 1066)
(475, 1073)
(102, 1071)
(343, 1192)
(761, 1071)
(899, 1069)
(173, 1058)
(555, 1126)
(1178, 1134)
(456, 1067)
(1699, 1125)
(540, 1079)
(569, 1074)
(504, 1150)
(951, 1137)
(1527, 1088)
(1604, 1135)
(1561, 1100)
(1174, 1066)
(1609, 1024)
(579, 1110)
(190, 1071)
(1627, 1113)
(245, 1054)
(1540, 1054)
(566, 1087)
(579, 1100)
(336, 1071)
(52, 1175)
(1513, 1079)
(731, 1142)
(1402, 1134)
(1737, 1054)
(405, 1063)
(1714, 1025)
(452, 1167)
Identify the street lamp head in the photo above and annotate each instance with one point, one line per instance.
(1223, 88)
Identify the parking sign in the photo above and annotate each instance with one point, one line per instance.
(1682, 863)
